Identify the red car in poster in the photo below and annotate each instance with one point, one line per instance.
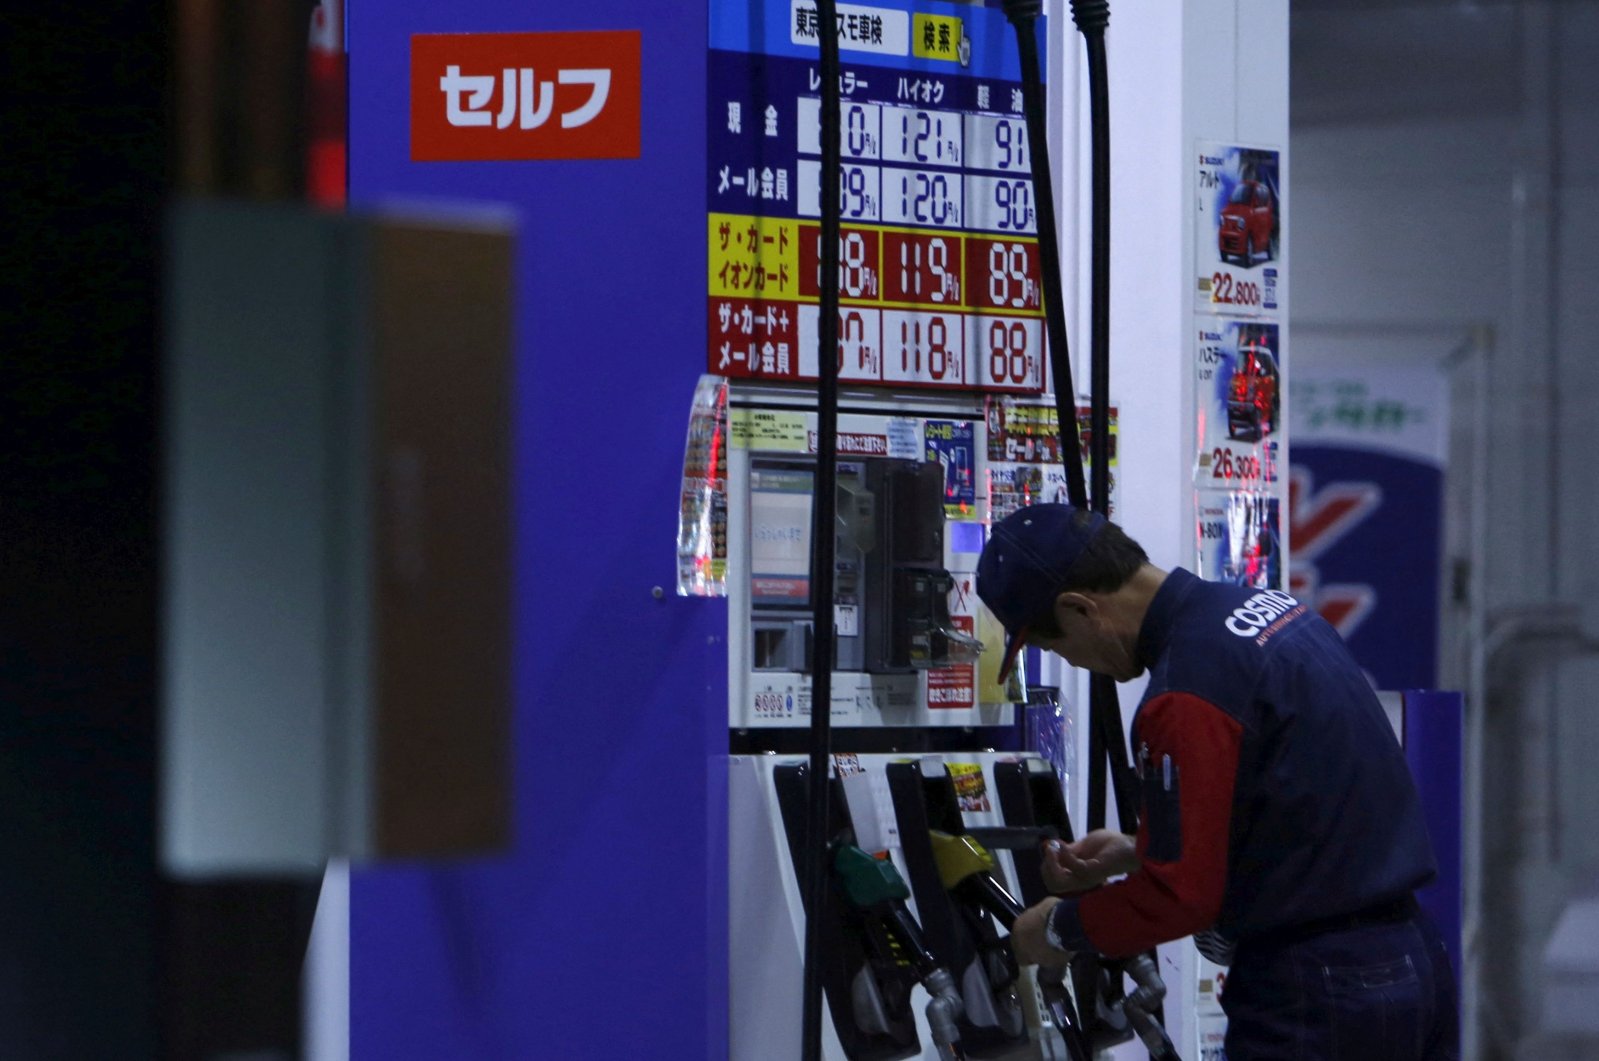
(1254, 398)
(1247, 223)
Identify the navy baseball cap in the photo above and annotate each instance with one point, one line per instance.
(1027, 560)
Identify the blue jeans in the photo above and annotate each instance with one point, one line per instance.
(1380, 992)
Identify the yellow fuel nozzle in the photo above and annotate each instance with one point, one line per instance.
(959, 857)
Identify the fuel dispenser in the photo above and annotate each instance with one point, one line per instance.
(904, 606)
(854, 518)
(922, 871)
(875, 947)
(891, 589)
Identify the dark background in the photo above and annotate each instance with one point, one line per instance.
(100, 957)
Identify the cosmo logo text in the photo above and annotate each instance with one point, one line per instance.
(506, 96)
(1258, 612)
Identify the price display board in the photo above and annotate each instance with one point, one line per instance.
(1238, 238)
(940, 283)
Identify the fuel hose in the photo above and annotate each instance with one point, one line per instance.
(823, 539)
(1107, 747)
(1107, 744)
(1023, 16)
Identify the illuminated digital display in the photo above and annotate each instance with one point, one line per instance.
(780, 536)
(940, 277)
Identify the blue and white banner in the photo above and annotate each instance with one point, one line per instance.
(1366, 512)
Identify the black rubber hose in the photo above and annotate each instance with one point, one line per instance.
(823, 539)
(1023, 16)
(1107, 743)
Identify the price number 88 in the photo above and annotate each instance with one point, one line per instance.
(1007, 353)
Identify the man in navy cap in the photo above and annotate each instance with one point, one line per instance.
(1278, 818)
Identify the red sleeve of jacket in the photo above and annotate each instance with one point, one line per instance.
(1188, 825)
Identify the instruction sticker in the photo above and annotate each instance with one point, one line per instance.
(768, 430)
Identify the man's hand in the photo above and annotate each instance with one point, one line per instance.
(1027, 936)
(1088, 862)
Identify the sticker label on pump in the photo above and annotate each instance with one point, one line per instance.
(971, 790)
(940, 282)
(1024, 457)
(1238, 236)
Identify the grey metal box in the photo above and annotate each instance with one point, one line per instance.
(337, 537)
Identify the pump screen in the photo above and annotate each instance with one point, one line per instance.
(780, 536)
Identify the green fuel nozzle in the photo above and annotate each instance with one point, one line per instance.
(875, 887)
(867, 881)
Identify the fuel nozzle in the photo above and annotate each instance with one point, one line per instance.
(874, 887)
(967, 869)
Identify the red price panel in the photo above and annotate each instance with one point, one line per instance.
(1237, 290)
(752, 338)
(921, 268)
(859, 253)
(924, 347)
(1003, 274)
(1009, 351)
(860, 343)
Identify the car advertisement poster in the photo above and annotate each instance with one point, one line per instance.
(1240, 537)
(1239, 219)
(1238, 402)
(1239, 477)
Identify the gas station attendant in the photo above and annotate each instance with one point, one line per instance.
(1279, 821)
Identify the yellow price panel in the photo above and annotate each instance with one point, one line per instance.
(753, 257)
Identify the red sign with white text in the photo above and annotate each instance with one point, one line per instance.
(507, 96)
